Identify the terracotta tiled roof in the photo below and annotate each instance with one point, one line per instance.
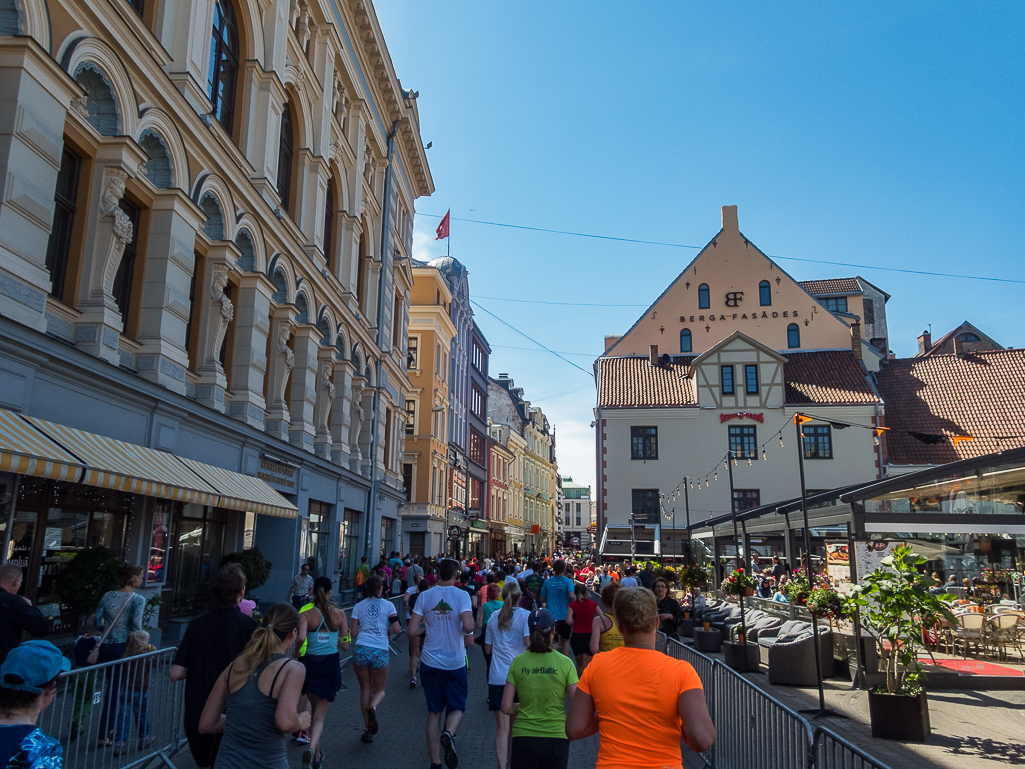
(635, 382)
(826, 377)
(831, 286)
(980, 394)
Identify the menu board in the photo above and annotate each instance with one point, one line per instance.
(838, 565)
(869, 554)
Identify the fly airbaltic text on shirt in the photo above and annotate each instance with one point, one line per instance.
(538, 671)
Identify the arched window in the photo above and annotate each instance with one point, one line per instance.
(224, 56)
(329, 225)
(793, 336)
(968, 336)
(765, 294)
(361, 281)
(285, 158)
(685, 343)
(703, 299)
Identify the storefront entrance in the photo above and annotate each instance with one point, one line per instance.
(197, 537)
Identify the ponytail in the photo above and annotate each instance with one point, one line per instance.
(540, 641)
(322, 600)
(281, 619)
(511, 596)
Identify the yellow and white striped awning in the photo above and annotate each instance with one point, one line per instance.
(112, 464)
(26, 451)
(242, 492)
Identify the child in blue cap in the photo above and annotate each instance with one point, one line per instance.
(28, 683)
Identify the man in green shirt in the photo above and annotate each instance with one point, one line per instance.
(541, 679)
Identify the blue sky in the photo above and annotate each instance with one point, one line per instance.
(881, 134)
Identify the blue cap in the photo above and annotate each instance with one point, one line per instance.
(32, 664)
(543, 620)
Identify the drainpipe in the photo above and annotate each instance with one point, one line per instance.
(375, 482)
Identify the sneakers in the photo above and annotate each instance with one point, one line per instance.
(303, 737)
(448, 749)
(372, 725)
(365, 737)
(318, 763)
(120, 747)
(307, 759)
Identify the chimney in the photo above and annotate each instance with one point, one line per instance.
(653, 354)
(856, 339)
(924, 343)
(729, 219)
(958, 346)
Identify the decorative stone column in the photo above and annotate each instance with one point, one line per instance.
(247, 402)
(216, 312)
(326, 395)
(303, 391)
(366, 432)
(341, 412)
(279, 370)
(108, 231)
(359, 416)
(164, 310)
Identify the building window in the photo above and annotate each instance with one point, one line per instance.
(704, 301)
(224, 56)
(407, 480)
(58, 249)
(410, 417)
(970, 337)
(645, 505)
(643, 443)
(726, 374)
(413, 352)
(743, 442)
(745, 499)
(818, 442)
(477, 401)
(751, 379)
(476, 447)
(685, 341)
(793, 336)
(329, 222)
(122, 289)
(138, 6)
(835, 303)
(869, 308)
(285, 152)
(765, 294)
(480, 358)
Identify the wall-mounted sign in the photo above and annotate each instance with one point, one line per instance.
(764, 315)
(473, 513)
(277, 475)
(478, 525)
(741, 415)
(415, 525)
(535, 528)
(454, 532)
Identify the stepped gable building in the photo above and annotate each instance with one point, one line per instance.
(719, 364)
(204, 258)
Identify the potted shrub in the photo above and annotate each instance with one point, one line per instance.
(92, 572)
(738, 582)
(798, 587)
(254, 564)
(895, 603)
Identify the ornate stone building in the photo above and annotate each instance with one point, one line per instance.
(205, 250)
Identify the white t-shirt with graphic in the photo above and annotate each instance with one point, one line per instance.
(374, 615)
(441, 608)
(506, 644)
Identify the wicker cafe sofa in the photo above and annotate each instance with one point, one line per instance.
(788, 652)
(755, 626)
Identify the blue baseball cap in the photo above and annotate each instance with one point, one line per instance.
(543, 620)
(32, 664)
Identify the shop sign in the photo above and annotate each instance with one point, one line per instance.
(478, 524)
(454, 532)
(535, 528)
(741, 415)
(278, 476)
(473, 513)
(414, 525)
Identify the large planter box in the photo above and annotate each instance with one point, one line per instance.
(899, 717)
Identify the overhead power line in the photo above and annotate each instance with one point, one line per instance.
(683, 245)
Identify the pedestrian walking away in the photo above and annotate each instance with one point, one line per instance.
(119, 613)
(324, 629)
(17, 614)
(538, 682)
(605, 635)
(445, 611)
(555, 596)
(580, 617)
(508, 637)
(301, 588)
(28, 684)
(210, 643)
(415, 641)
(634, 685)
(492, 604)
(374, 621)
(253, 702)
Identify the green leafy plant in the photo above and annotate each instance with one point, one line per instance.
(824, 602)
(736, 581)
(895, 603)
(692, 576)
(151, 608)
(254, 564)
(798, 587)
(86, 577)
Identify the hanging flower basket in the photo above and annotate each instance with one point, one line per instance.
(737, 582)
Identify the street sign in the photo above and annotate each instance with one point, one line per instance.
(454, 532)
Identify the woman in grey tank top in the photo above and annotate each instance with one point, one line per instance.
(254, 700)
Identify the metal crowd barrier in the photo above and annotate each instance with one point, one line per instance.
(131, 698)
(755, 730)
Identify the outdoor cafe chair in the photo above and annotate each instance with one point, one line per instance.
(971, 629)
(1003, 632)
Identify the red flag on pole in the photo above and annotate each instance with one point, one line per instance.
(442, 230)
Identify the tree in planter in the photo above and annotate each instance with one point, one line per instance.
(92, 572)
(895, 602)
(254, 564)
